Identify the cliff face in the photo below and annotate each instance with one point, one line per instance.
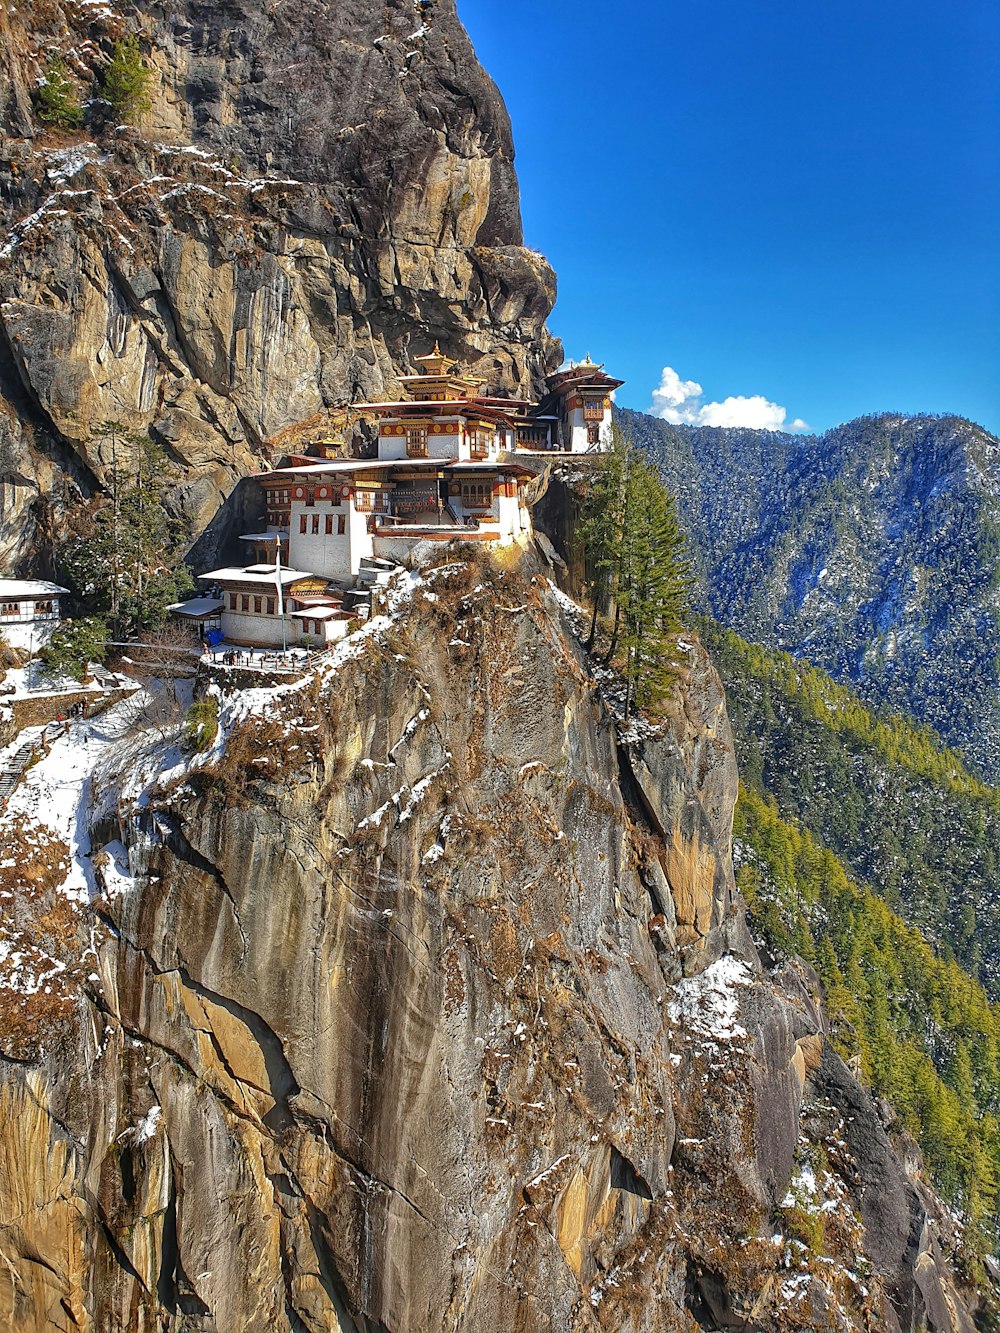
(316, 192)
(424, 1001)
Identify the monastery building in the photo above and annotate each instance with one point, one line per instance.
(29, 612)
(451, 466)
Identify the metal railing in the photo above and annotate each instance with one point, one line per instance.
(269, 663)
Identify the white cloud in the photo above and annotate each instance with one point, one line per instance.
(680, 402)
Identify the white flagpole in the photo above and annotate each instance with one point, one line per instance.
(277, 584)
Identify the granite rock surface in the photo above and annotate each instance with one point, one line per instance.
(424, 1000)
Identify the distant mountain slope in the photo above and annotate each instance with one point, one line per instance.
(871, 550)
(865, 847)
(913, 1025)
(898, 809)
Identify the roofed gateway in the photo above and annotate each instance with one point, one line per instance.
(447, 469)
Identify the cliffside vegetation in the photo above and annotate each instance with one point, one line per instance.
(127, 80)
(865, 847)
(126, 563)
(73, 645)
(57, 100)
(633, 554)
(121, 90)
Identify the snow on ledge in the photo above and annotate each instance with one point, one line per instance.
(706, 1006)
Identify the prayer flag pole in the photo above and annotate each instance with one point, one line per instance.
(277, 584)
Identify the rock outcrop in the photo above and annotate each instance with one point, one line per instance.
(316, 191)
(424, 1001)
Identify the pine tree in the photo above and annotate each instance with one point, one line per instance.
(654, 587)
(601, 526)
(56, 97)
(73, 645)
(635, 563)
(128, 567)
(127, 81)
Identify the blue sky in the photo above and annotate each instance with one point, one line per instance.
(777, 200)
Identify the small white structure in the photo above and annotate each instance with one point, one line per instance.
(278, 607)
(29, 612)
(579, 404)
(202, 613)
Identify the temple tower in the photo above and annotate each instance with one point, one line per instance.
(580, 399)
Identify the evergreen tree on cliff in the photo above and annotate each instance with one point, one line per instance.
(635, 560)
(128, 567)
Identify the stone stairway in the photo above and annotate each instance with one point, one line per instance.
(12, 769)
(14, 765)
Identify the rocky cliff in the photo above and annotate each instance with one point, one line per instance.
(423, 1000)
(316, 191)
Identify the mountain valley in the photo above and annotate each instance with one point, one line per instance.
(872, 551)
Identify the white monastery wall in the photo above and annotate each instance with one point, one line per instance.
(508, 513)
(333, 555)
(29, 635)
(246, 627)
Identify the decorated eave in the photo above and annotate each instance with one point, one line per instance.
(448, 407)
(435, 358)
(584, 377)
(442, 381)
(348, 468)
(506, 405)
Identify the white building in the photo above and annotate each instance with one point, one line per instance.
(304, 609)
(29, 612)
(445, 415)
(447, 470)
(579, 400)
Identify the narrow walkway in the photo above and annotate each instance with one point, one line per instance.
(293, 662)
(14, 764)
(12, 768)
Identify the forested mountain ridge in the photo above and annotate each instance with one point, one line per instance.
(871, 550)
(900, 810)
(864, 847)
(912, 1025)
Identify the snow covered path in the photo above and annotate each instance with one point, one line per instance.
(57, 793)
